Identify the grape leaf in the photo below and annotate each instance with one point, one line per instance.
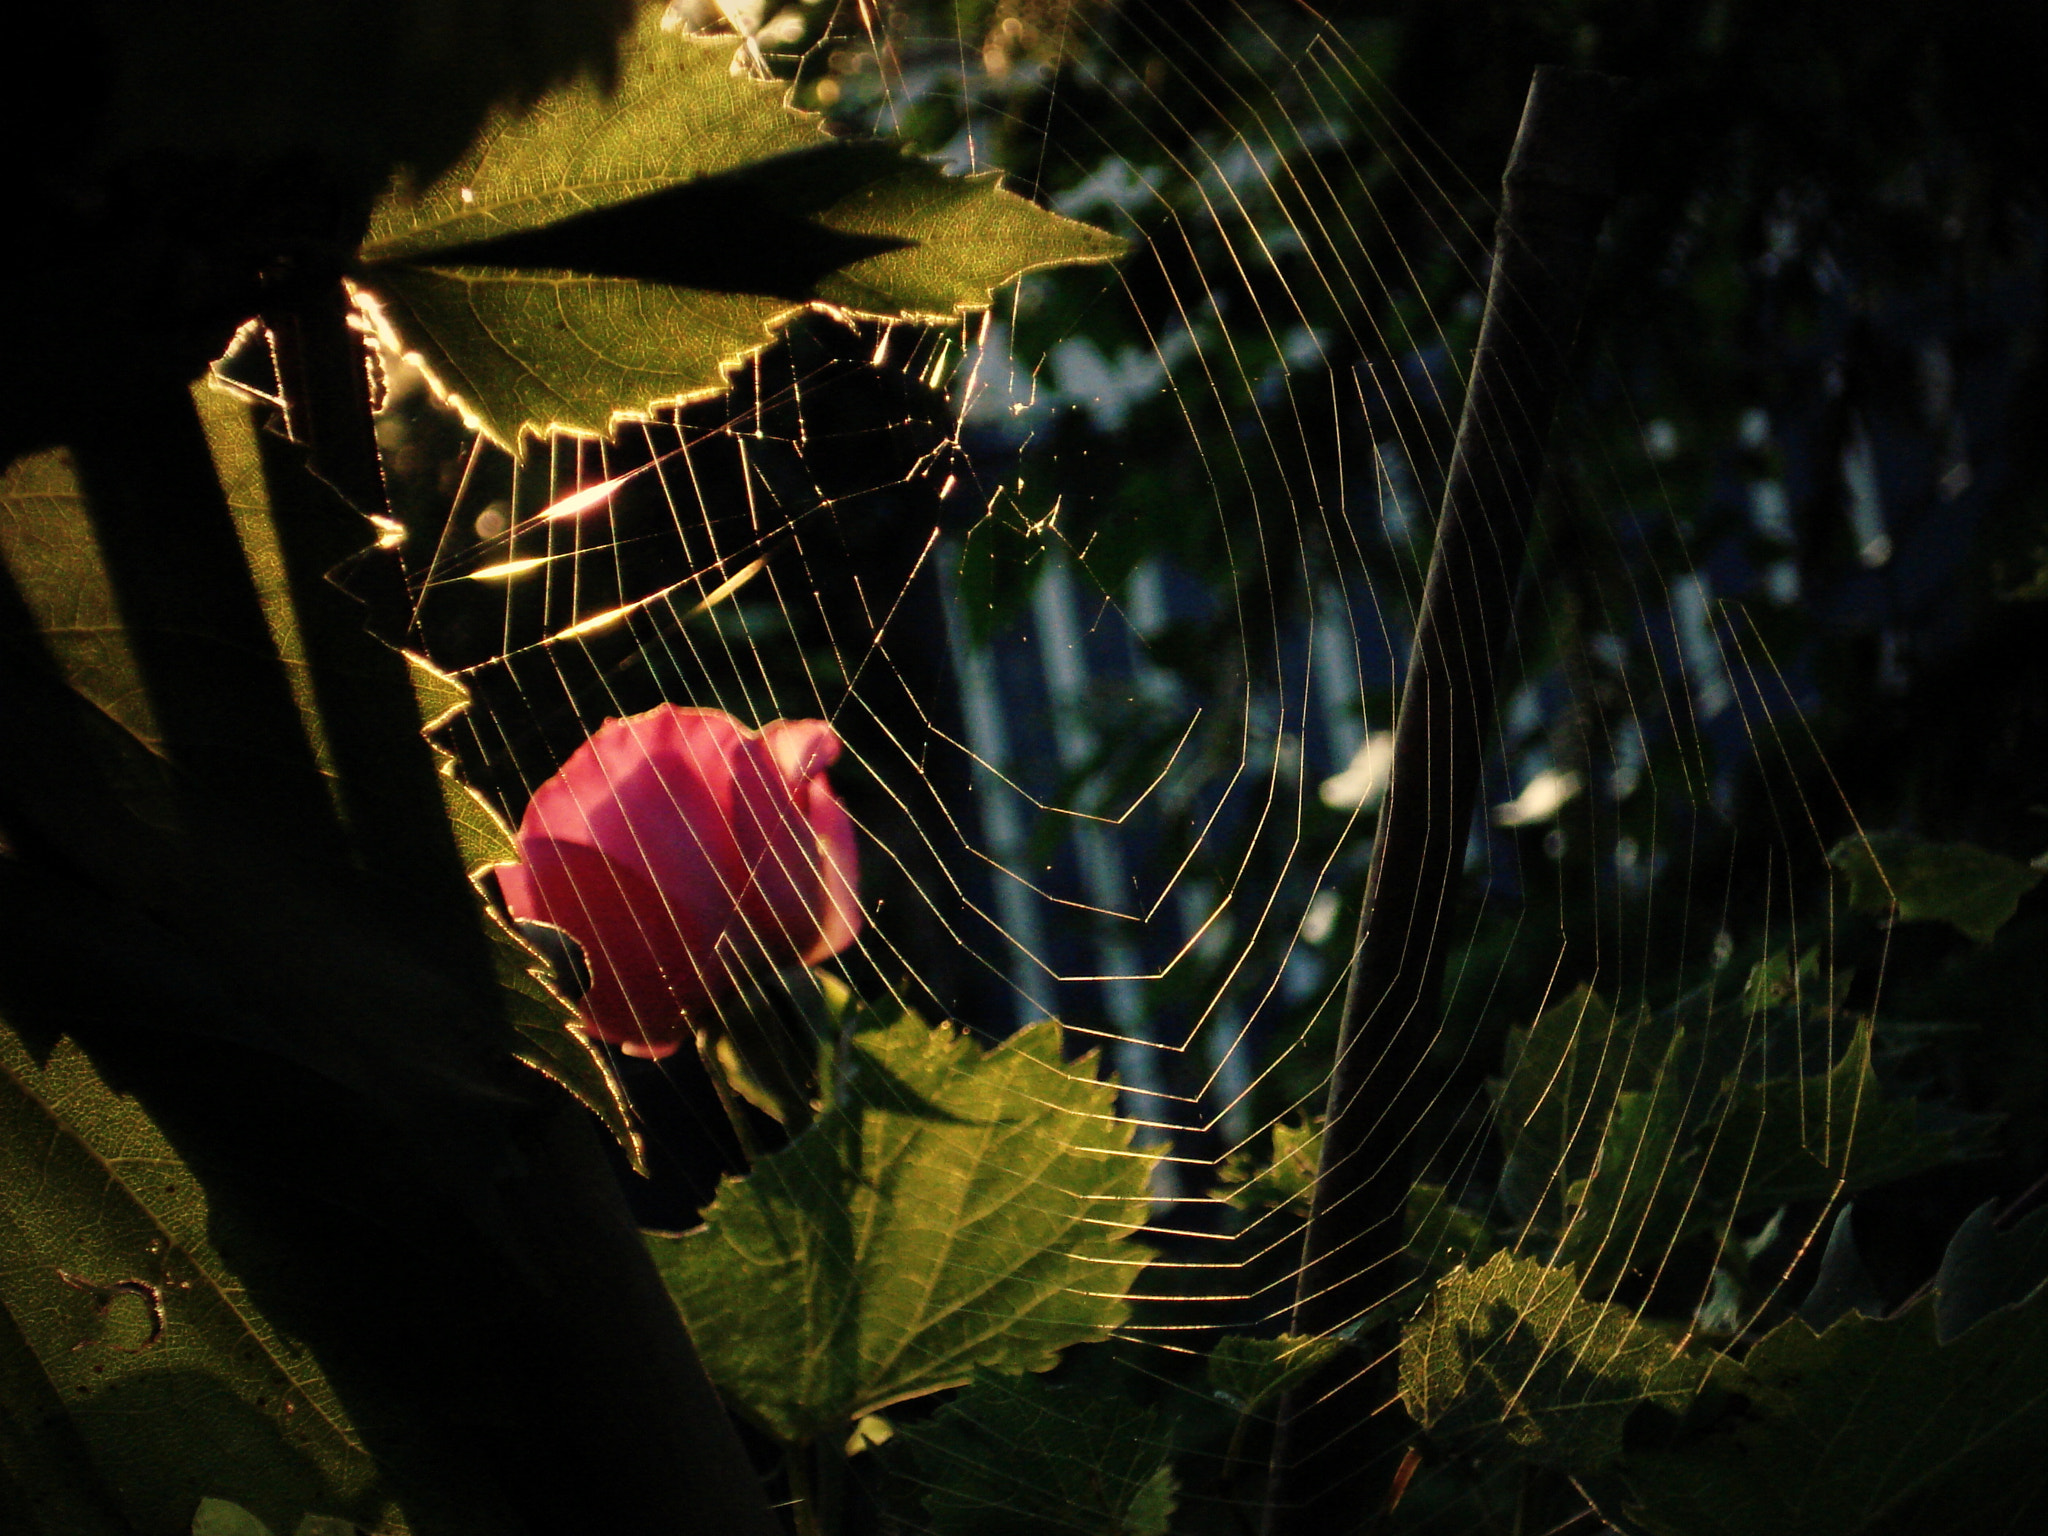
(1248, 1373)
(1511, 1356)
(316, 618)
(221, 1517)
(1843, 1282)
(550, 1038)
(1984, 1268)
(963, 1209)
(1029, 1457)
(1871, 1428)
(124, 1333)
(1812, 1137)
(48, 547)
(1287, 1181)
(224, 1517)
(606, 253)
(1563, 1075)
(1443, 1234)
(1973, 891)
(1643, 1190)
(1626, 1131)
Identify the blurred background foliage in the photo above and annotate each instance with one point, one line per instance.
(1151, 540)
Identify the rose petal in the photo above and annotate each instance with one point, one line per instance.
(779, 908)
(651, 964)
(839, 917)
(653, 793)
(802, 749)
(678, 847)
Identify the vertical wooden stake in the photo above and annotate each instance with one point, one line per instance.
(1558, 183)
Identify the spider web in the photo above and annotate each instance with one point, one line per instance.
(1108, 592)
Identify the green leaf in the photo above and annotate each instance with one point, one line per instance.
(888, 1252)
(1816, 1137)
(47, 546)
(232, 933)
(686, 214)
(1565, 1074)
(1287, 1181)
(1248, 1373)
(441, 698)
(321, 1036)
(1028, 1457)
(219, 1517)
(121, 1322)
(1844, 1282)
(1971, 890)
(1984, 1269)
(48, 1483)
(1510, 1358)
(1644, 1188)
(1626, 1132)
(317, 619)
(1443, 1234)
(1871, 1428)
(551, 1039)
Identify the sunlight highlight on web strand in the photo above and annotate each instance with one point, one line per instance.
(505, 570)
(582, 501)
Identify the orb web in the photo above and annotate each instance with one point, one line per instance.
(1108, 591)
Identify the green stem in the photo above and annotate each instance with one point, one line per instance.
(803, 1490)
(831, 1481)
(736, 1117)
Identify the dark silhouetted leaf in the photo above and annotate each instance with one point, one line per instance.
(1984, 1269)
(1644, 1187)
(1625, 1133)
(1844, 1283)
(1965, 887)
(173, 1385)
(1871, 1428)
(1022, 1456)
(1805, 1138)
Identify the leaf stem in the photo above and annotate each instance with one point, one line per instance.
(804, 1490)
(707, 1053)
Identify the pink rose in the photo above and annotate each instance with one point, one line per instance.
(679, 848)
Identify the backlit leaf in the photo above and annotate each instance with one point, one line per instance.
(221, 1517)
(980, 1220)
(1512, 1358)
(605, 253)
(1288, 1180)
(1249, 1372)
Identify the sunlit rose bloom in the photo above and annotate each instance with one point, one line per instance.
(681, 849)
